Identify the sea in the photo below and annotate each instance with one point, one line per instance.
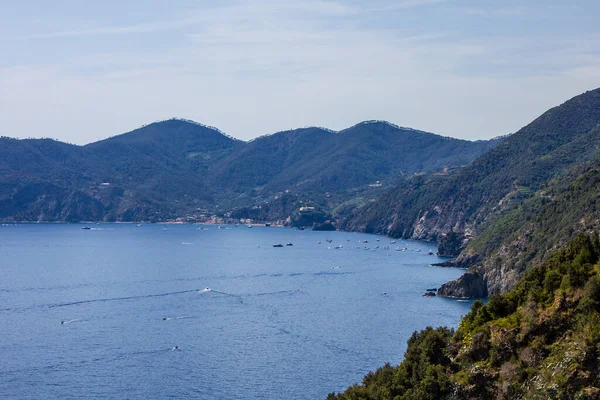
(121, 311)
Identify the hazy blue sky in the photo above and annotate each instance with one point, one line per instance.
(82, 70)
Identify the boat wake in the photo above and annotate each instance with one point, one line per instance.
(237, 296)
(75, 303)
(173, 318)
(288, 292)
(69, 321)
(329, 273)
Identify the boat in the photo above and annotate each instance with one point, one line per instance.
(393, 242)
(278, 245)
(329, 240)
(428, 294)
(267, 224)
(86, 228)
(339, 246)
(289, 244)
(430, 253)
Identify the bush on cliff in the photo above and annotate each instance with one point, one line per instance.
(540, 340)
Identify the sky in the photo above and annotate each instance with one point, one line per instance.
(473, 69)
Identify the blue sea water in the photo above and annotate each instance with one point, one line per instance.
(296, 322)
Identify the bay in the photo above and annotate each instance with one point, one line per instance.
(250, 321)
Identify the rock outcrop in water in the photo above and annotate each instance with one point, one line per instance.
(469, 285)
(325, 226)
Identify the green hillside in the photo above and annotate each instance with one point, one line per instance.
(502, 200)
(540, 340)
(425, 206)
(178, 168)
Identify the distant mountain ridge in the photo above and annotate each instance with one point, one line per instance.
(177, 167)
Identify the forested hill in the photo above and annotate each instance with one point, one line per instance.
(541, 340)
(316, 159)
(502, 198)
(178, 168)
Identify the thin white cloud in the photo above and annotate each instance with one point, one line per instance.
(157, 26)
(235, 11)
(320, 8)
(399, 5)
(498, 11)
(255, 68)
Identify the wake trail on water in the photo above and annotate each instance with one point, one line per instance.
(288, 292)
(75, 303)
(172, 318)
(237, 296)
(328, 273)
(70, 321)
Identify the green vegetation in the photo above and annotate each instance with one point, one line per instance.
(473, 197)
(545, 221)
(177, 168)
(540, 340)
(522, 200)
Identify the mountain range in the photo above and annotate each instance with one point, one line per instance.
(178, 168)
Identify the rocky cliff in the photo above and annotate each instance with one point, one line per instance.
(513, 201)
